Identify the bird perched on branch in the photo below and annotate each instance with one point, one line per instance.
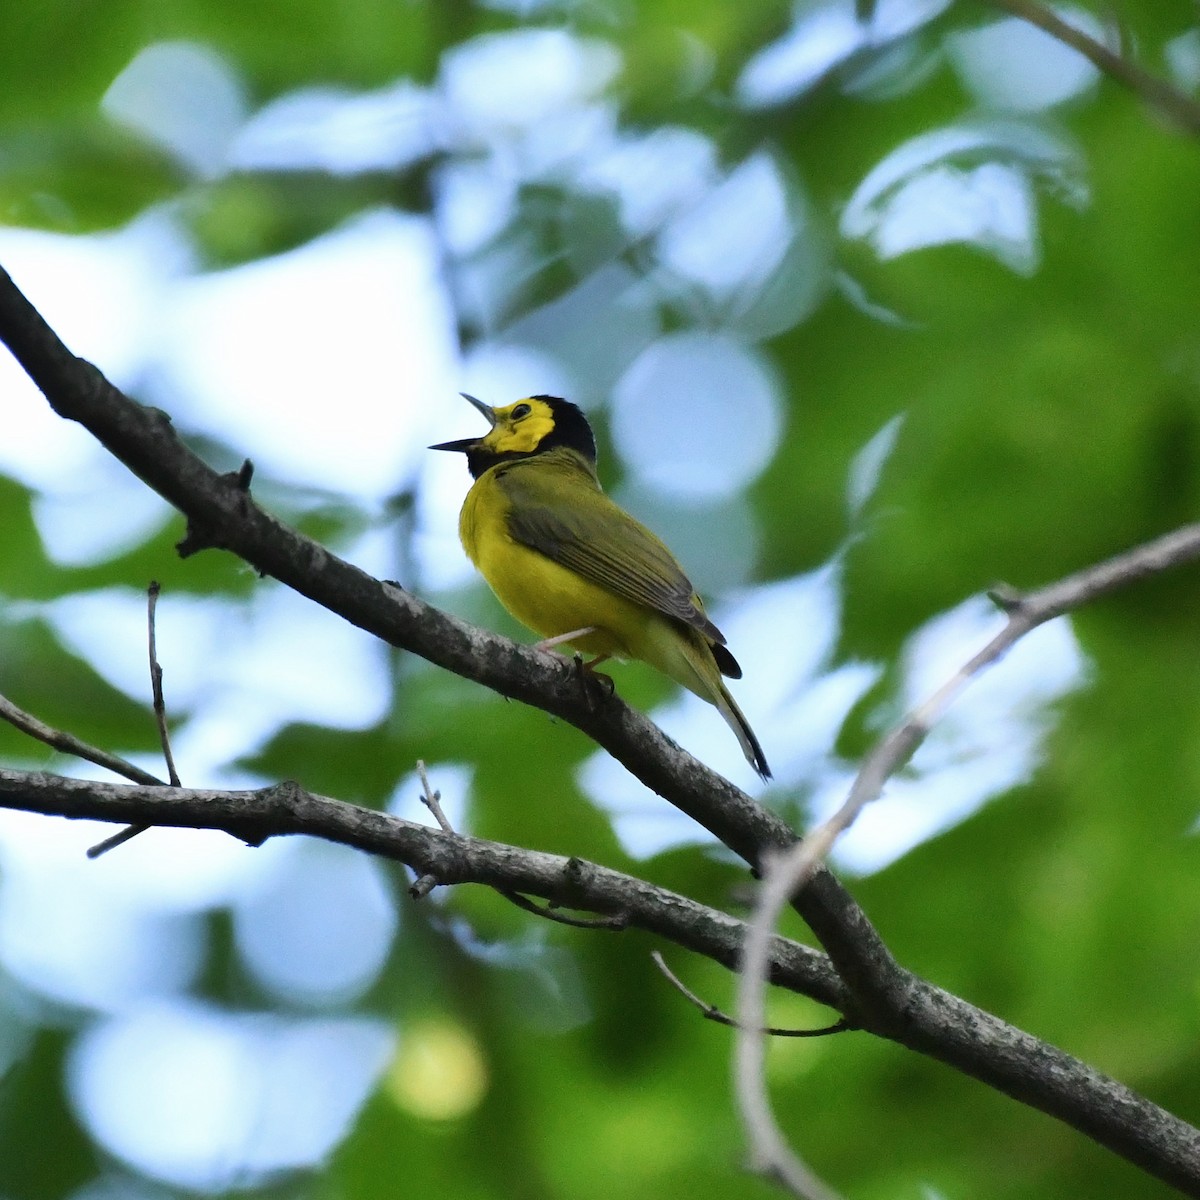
(576, 568)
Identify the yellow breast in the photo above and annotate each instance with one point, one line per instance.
(548, 598)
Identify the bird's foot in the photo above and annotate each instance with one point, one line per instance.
(597, 687)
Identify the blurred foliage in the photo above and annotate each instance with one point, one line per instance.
(1051, 418)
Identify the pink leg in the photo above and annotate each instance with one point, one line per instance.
(549, 643)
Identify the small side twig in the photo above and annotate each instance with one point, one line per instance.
(160, 719)
(115, 840)
(712, 1013)
(156, 688)
(68, 743)
(424, 884)
(199, 535)
(617, 922)
(431, 799)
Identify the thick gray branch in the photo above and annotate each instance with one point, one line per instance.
(926, 1018)
(221, 513)
(447, 857)
(866, 983)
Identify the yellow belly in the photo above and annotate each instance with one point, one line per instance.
(551, 599)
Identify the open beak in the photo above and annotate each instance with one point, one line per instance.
(465, 444)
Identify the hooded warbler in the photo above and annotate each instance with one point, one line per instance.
(570, 564)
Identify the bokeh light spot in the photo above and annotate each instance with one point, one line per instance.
(319, 928)
(439, 1073)
(1012, 66)
(210, 1100)
(182, 97)
(696, 414)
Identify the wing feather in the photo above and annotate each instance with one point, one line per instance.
(600, 541)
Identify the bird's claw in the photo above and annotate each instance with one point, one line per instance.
(597, 688)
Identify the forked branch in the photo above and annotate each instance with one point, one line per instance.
(860, 977)
(791, 870)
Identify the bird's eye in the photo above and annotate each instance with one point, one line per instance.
(521, 412)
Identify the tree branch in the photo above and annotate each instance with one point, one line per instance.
(1178, 107)
(449, 858)
(930, 1021)
(221, 512)
(865, 984)
(68, 743)
(1025, 613)
(791, 870)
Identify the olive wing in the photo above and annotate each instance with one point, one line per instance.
(600, 541)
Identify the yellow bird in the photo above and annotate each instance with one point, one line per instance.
(576, 568)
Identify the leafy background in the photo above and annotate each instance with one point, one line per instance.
(867, 322)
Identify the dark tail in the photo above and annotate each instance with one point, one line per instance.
(738, 723)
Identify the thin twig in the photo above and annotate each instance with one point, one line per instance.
(789, 871)
(549, 912)
(160, 719)
(426, 883)
(114, 840)
(1025, 613)
(1178, 107)
(712, 1013)
(431, 799)
(68, 743)
(156, 688)
(769, 1150)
